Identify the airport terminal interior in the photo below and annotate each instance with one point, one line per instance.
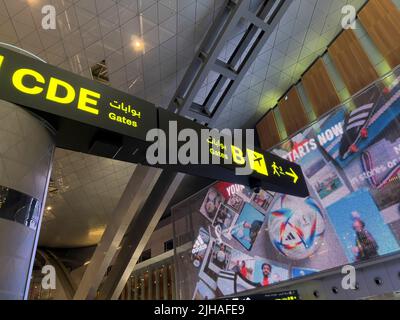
(87, 214)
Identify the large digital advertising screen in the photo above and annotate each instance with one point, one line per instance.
(232, 239)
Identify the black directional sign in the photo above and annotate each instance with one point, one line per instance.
(94, 118)
(268, 170)
(32, 83)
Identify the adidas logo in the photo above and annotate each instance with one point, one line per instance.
(199, 245)
(290, 237)
(360, 116)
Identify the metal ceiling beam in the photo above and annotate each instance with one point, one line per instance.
(132, 201)
(252, 55)
(257, 22)
(261, 25)
(207, 54)
(135, 241)
(224, 69)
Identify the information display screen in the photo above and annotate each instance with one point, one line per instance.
(282, 295)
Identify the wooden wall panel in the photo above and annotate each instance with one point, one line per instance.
(381, 19)
(267, 131)
(292, 112)
(352, 62)
(320, 89)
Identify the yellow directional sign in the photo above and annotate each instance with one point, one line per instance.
(293, 175)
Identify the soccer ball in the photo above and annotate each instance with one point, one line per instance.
(296, 226)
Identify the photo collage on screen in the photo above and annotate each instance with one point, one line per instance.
(351, 161)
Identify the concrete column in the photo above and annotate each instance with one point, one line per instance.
(133, 198)
(140, 230)
(26, 152)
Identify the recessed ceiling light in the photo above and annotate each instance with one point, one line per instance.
(32, 2)
(137, 43)
(49, 208)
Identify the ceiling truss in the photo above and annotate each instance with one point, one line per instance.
(258, 24)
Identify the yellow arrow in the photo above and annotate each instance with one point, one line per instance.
(293, 175)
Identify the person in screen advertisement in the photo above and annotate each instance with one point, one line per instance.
(253, 228)
(243, 270)
(366, 246)
(237, 267)
(266, 271)
(220, 256)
